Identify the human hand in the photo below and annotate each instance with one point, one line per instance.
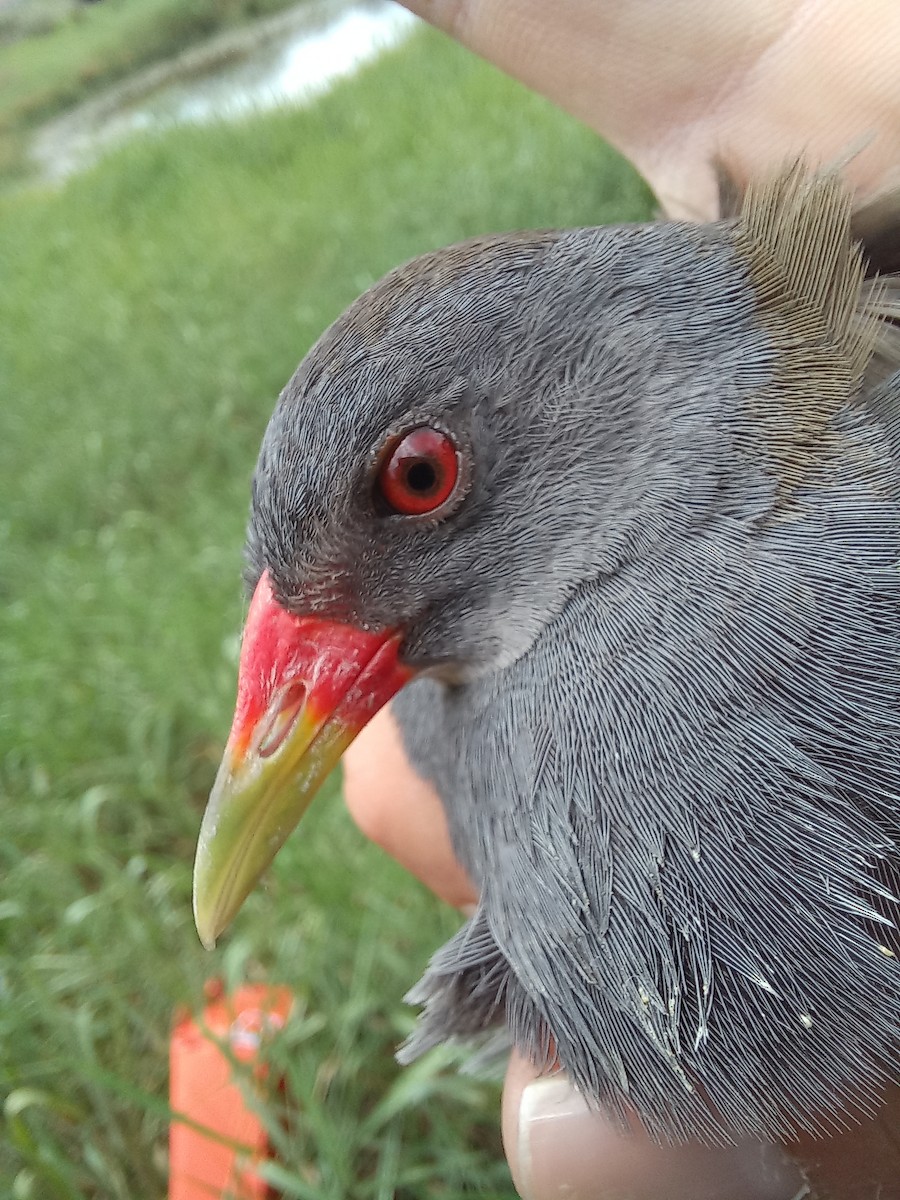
(676, 87)
(557, 1147)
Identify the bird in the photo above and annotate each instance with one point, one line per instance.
(612, 516)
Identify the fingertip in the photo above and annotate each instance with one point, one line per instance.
(557, 1146)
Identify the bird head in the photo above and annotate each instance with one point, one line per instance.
(481, 431)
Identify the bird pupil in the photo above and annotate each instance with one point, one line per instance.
(421, 476)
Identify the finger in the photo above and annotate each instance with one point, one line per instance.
(636, 71)
(396, 808)
(557, 1147)
(859, 1163)
(676, 86)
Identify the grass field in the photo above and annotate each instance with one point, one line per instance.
(149, 314)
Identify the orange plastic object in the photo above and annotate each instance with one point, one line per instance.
(201, 1088)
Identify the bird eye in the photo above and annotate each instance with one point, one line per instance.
(419, 472)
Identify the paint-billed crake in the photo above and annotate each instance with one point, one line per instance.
(621, 506)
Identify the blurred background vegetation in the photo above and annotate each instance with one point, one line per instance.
(54, 53)
(151, 308)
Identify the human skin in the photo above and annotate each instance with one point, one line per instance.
(676, 88)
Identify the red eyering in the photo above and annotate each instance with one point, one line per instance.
(419, 473)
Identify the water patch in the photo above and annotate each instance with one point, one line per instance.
(288, 59)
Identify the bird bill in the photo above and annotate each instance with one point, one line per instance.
(306, 688)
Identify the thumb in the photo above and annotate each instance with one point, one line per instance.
(557, 1147)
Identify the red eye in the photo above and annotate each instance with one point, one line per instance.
(420, 472)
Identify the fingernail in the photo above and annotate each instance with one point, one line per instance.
(552, 1118)
(568, 1151)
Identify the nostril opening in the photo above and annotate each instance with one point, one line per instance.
(283, 720)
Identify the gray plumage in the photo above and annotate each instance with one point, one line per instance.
(662, 629)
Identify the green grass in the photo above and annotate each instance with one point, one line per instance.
(149, 314)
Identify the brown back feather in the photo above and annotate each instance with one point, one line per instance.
(834, 323)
